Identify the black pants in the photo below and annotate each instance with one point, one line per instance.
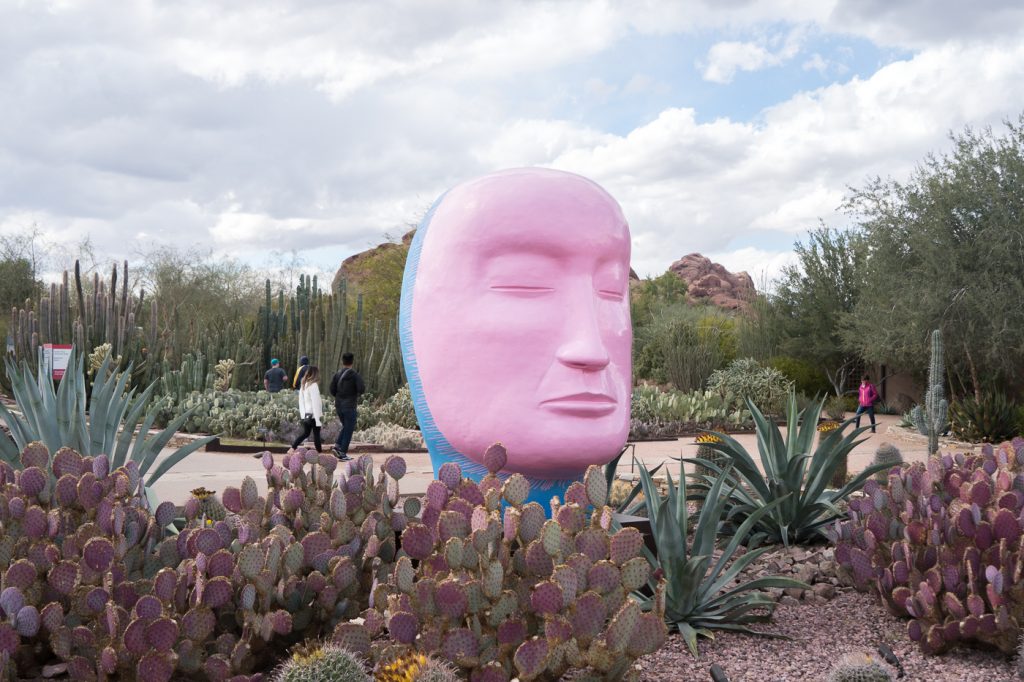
(348, 418)
(306, 428)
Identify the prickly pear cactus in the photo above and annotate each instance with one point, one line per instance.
(859, 668)
(944, 545)
(88, 576)
(328, 662)
(502, 591)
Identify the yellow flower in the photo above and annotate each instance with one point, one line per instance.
(202, 493)
(706, 438)
(402, 669)
(828, 427)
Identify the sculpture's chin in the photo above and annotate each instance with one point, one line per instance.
(560, 451)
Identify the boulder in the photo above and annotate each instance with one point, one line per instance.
(711, 283)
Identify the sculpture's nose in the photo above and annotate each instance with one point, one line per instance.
(583, 347)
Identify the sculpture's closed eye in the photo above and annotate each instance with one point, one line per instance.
(522, 289)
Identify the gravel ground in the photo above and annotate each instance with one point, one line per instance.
(821, 634)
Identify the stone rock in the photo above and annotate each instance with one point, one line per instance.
(348, 268)
(786, 600)
(794, 592)
(708, 282)
(824, 590)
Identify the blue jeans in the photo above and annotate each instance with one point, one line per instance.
(348, 426)
(870, 409)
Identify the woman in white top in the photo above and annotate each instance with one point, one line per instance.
(311, 410)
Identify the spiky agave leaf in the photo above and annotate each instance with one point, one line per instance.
(791, 470)
(698, 600)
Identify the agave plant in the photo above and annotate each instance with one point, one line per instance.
(59, 419)
(795, 486)
(699, 593)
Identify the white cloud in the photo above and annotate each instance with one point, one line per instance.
(725, 58)
(274, 125)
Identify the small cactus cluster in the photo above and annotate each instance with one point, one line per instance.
(944, 545)
(416, 667)
(87, 576)
(204, 505)
(488, 582)
(889, 454)
(325, 663)
(859, 668)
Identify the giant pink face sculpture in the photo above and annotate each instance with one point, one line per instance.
(519, 321)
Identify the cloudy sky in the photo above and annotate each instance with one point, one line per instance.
(247, 127)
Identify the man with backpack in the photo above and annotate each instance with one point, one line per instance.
(346, 387)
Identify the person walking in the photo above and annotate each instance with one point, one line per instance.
(303, 368)
(311, 409)
(275, 377)
(346, 387)
(867, 396)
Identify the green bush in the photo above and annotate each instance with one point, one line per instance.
(805, 376)
(747, 379)
(652, 406)
(990, 419)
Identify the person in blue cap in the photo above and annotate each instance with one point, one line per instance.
(275, 378)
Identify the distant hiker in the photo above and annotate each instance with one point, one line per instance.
(346, 387)
(867, 396)
(311, 409)
(303, 367)
(275, 377)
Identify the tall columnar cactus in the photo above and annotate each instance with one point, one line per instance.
(944, 545)
(932, 421)
(501, 591)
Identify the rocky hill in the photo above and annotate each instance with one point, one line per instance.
(711, 283)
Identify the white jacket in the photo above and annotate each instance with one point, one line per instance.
(311, 403)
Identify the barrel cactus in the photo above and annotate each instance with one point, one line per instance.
(888, 454)
(859, 668)
(706, 453)
(204, 505)
(327, 662)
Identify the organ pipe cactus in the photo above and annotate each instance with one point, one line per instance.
(943, 544)
(932, 421)
(502, 591)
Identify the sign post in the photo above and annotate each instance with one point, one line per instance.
(54, 360)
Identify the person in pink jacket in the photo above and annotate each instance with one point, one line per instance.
(867, 396)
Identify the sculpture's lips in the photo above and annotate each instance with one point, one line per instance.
(585, 403)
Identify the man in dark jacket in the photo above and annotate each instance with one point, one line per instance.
(346, 387)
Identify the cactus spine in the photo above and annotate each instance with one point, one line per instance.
(931, 421)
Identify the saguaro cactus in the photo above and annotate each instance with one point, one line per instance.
(932, 420)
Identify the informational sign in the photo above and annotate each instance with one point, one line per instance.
(55, 359)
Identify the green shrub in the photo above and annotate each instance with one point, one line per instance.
(747, 379)
(990, 419)
(837, 406)
(805, 376)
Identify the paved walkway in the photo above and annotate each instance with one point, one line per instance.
(215, 471)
